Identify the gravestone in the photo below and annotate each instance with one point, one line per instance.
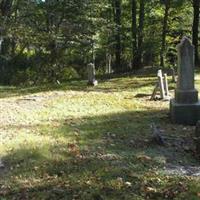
(166, 86)
(161, 86)
(185, 107)
(91, 75)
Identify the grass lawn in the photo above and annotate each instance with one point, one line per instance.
(78, 142)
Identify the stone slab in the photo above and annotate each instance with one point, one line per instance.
(187, 114)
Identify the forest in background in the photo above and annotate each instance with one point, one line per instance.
(47, 40)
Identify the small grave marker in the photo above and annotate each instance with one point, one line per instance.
(161, 86)
(166, 86)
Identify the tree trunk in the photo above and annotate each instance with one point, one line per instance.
(137, 62)
(117, 17)
(164, 33)
(141, 32)
(108, 63)
(134, 32)
(195, 29)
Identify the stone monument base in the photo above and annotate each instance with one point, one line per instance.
(187, 114)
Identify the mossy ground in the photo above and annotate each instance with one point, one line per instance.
(78, 142)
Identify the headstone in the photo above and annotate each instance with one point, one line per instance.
(161, 86)
(166, 87)
(91, 75)
(185, 107)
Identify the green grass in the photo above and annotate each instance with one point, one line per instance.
(78, 142)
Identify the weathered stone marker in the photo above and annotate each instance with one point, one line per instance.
(166, 86)
(185, 108)
(91, 75)
(161, 86)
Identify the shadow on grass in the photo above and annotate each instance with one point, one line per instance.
(101, 163)
(127, 85)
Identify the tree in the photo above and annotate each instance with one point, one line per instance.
(195, 29)
(137, 33)
(49, 37)
(141, 32)
(134, 32)
(164, 32)
(117, 20)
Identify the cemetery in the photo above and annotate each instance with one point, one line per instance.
(99, 100)
(111, 140)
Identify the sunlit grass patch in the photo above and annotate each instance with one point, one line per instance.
(78, 142)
